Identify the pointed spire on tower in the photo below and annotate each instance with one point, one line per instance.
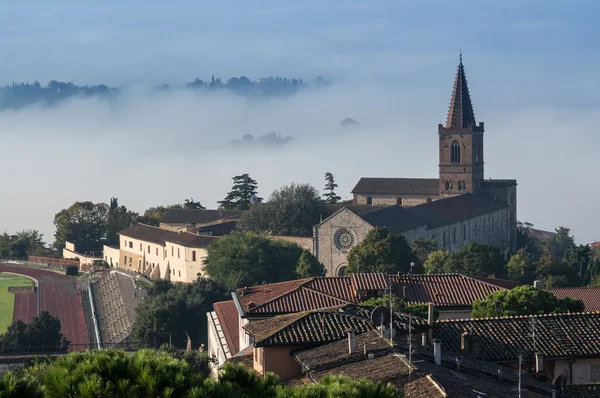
(460, 114)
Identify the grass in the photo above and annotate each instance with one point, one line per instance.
(7, 300)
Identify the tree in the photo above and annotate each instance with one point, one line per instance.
(477, 260)
(190, 204)
(291, 210)
(42, 333)
(309, 266)
(330, 186)
(555, 272)
(437, 262)
(523, 300)
(380, 251)
(119, 218)
(422, 248)
(153, 215)
(173, 309)
(241, 259)
(24, 243)
(521, 267)
(83, 223)
(244, 188)
(561, 243)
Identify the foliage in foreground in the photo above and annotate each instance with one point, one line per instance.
(43, 333)
(147, 373)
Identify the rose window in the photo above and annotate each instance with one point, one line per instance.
(344, 239)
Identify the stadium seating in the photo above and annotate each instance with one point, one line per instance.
(113, 321)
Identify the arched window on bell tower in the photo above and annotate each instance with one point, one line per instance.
(455, 152)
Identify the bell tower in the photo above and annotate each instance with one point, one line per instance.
(461, 143)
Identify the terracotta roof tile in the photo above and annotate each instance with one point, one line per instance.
(445, 290)
(306, 328)
(424, 387)
(229, 318)
(502, 339)
(590, 295)
(159, 236)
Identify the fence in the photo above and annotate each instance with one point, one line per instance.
(52, 262)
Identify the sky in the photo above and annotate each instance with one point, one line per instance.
(532, 67)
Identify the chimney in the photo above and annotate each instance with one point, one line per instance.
(539, 363)
(466, 344)
(437, 352)
(424, 339)
(430, 314)
(351, 342)
(537, 284)
(404, 292)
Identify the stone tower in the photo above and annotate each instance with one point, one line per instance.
(461, 143)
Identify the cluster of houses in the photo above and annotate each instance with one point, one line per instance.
(306, 329)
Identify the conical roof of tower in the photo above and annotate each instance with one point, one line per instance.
(460, 114)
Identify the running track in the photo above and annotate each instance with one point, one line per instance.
(58, 296)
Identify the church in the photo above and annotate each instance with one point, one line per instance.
(458, 207)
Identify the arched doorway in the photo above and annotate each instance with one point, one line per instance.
(341, 269)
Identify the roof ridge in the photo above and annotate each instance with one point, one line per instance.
(326, 295)
(480, 281)
(538, 316)
(279, 296)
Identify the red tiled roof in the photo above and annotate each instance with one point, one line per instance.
(307, 328)
(503, 339)
(445, 290)
(590, 295)
(595, 245)
(255, 296)
(229, 317)
(505, 283)
(370, 281)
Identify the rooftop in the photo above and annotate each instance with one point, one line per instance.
(229, 319)
(503, 339)
(307, 328)
(590, 295)
(148, 233)
(396, 186)
(444, 290)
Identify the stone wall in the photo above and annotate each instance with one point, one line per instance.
(408, 200)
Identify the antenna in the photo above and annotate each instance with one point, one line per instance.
(533, 330)
(520, 362)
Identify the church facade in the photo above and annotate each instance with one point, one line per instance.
(458, 207)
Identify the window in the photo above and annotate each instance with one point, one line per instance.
(179, 273)
(193, 255)
(131, 244)
(369, 200)
(172, 253)
(177, 252)
(141, 247)
(455, 153)
(148, 249)
(447, 185)
(125, 242)
(130, 261)
(428, 200)
(157, 251)
(399, 201)
(454, 235)
(140, 263)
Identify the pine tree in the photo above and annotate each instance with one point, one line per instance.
(244, 188)
(330, 186)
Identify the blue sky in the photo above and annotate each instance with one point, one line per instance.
(532, 65)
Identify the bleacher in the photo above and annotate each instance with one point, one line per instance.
(110, 309)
